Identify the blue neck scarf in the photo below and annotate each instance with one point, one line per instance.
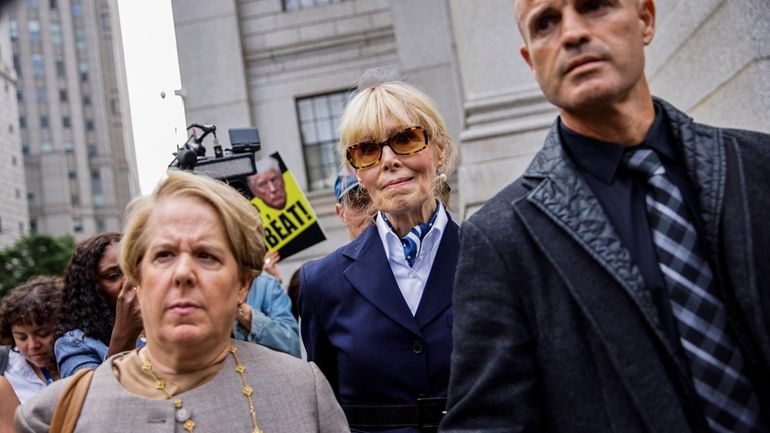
(413, 240)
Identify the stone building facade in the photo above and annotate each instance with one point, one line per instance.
(13, 192)
(286, 66)
(73, 115)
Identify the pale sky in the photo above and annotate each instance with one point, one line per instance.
(151, 68)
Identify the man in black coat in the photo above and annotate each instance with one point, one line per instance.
(568, 311)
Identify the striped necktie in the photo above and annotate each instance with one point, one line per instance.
(716, 363)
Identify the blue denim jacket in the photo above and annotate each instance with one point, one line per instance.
(272, 323)
(75, 351)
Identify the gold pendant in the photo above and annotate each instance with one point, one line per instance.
(189, 425)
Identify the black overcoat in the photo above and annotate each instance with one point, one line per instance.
(554, 330)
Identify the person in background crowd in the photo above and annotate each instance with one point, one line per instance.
(8, 404)
(293, 291)
(271, 265)
(28, 318)
(353, 204)
(100, 312)
(191, 249)
(265, 317)
(620, 284)
(376, 313)
(353, 208)
(267, 184)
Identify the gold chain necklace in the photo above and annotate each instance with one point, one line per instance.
(183, 416)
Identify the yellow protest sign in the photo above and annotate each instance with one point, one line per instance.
(290, 223)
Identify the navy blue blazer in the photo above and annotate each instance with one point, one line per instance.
(357, 327)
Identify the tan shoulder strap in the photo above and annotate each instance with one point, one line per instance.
(67, 411)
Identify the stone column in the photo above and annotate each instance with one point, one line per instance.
(505, 114)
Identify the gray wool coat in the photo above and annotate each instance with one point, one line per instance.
(554, 330)
(290, 396)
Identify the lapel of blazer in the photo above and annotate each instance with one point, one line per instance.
(437, 295)
(370, 275)
(561, 194)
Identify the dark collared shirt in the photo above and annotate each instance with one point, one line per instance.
(621, 192)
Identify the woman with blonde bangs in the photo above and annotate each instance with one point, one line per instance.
(376, 313)
(191, 249)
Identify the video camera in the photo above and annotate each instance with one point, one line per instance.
(231, 166)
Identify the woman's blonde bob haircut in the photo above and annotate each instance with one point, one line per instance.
(365, 115)
(241, 221)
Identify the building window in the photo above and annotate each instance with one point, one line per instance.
(52, 4)
(104, 21)
(38, 67)
(14, 30)
(318, 120)
(60, 71)
(77, 10)
(25, 148)
(46, 147)
(69, 148)
(44, 121)
(80, 38)
(292, 5)
(32, 4)
(83, 67)
(42, 95)
(96, 187)
(86, 100)
(19, 95)
(33, 226)
(56, 33)
(22, 122)
(77, 223)
(34, 30)
(72, 174)
(63, 95)
(89, 124)
(66, 122)
(100, 226)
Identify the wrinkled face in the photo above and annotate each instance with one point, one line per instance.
(190, 284)
(584, 52)
(35, 343)
(109, 275)
(401, 184)
(269, 187)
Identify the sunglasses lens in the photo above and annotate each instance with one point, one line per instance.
(408, 141)
(405, 142)
(364, 154)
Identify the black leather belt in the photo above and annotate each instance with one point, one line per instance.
(426, 414)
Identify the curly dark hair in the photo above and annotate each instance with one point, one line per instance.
(35, 302)
(84, 306)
